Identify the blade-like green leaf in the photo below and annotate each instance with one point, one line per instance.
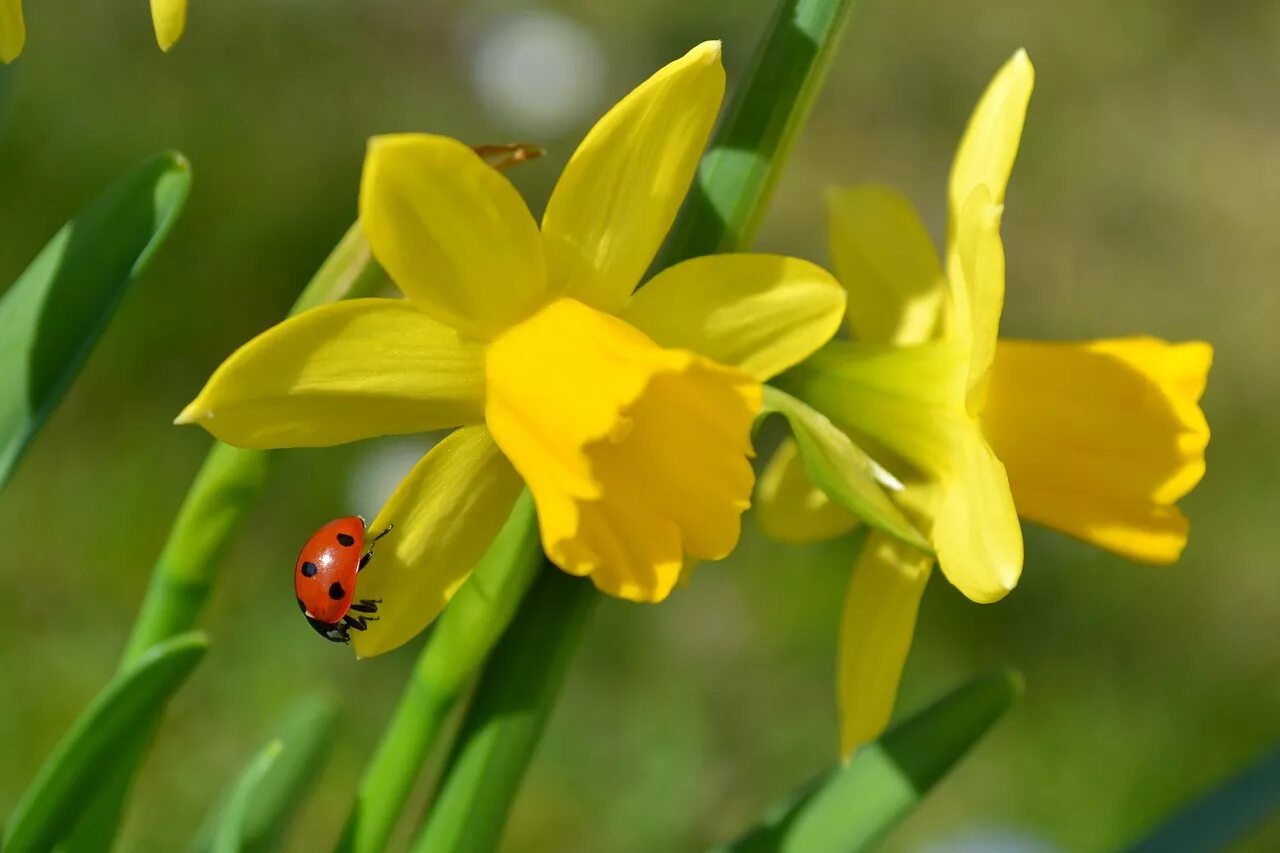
(841, 469)
(1223, 816)
(231, 835)
(86, 754)
(53, 315)
(852, 807)
(303, 731)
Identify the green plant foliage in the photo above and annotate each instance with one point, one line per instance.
(88, 753)
(55, 312)
(840, 468)
(852, 807)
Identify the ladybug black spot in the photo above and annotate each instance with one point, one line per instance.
(308, 569)
(346, 540)
(336, 591)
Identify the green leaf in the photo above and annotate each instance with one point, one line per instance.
(231, 835)
(737, 175)
(841, 469)
(852, 807)
(87, 754)
(303, 732)
(53, 315)
(1224, 815)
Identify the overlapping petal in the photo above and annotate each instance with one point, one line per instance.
(977, 288)
(1104, 450)
(169, 18)
(619, 194)
(758, 313)
(13, 30)
(341, 372)
(990, 142)
(446, 514)
(876, 627)
(452, 232)
(886, 260)
(790, 508)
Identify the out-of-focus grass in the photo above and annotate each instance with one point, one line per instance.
(1143, 201)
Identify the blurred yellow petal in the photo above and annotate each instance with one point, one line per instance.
(908, 401)
(977, 282)
(13, 30)
(452, 232)
(1100, 439)
(758, 313)
(341, 372)
(620, 192)
(884, 257)
(169, 18)
(446, 514)
(975, 526)
(636, 455)
(990, 142)
(790, 508)
(875, 635)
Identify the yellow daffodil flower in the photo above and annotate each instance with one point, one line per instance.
(1097, 439)
(627, 414)
(167, 16)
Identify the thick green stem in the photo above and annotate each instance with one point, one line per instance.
(464, 634)
(507, 715)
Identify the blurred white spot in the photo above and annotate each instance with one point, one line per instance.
(538, 73)
(380, 468)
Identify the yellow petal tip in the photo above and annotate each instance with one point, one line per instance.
(191, 414)
(709, 51)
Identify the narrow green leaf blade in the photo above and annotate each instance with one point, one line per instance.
(85, 756)
(231, 835)
(852, 807)
(53, 315)
(1224, 815)
(303, 731)
(841, 469)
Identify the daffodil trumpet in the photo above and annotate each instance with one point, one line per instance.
(1098, 439)
(627, 413)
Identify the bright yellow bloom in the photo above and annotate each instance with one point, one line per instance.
(167, 16)
(1097, 439)
(627, 414)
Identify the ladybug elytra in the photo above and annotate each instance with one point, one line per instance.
(324, 579)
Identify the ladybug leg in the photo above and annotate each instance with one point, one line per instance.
(366, 605)
(383, 533)
(360, 623)
(364, 561)
(334, 632)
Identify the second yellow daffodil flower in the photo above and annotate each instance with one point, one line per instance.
(1096, 439)
(627, 414)
(169, 17)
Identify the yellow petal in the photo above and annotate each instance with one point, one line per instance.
(636, 456)
(884, 257)
(1100, 439)
(617, 198)
(342, 372)
(875, 635)
(790, 508)
(452, 232)
(758, 313)
(446, 514)
(13, 30)
(990, 142)
(977, 282)
(975, 527)
(169, 18)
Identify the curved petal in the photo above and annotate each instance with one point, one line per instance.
(975, 529)
(1100, 439)
(790, 508)
(169, 17)
(619, 194)
(446, 514)
(13, 30)
(990, 142)
(342, 372)
(977, 281)
(758, 313)
(452, 232)
(876, 627)
(886, 260)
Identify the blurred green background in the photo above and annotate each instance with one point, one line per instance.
(1143, 201)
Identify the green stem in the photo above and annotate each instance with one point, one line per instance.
(508, 714)
(464, 634)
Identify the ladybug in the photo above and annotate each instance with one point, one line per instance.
(325, 579)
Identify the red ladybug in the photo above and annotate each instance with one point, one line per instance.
(325, 579)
